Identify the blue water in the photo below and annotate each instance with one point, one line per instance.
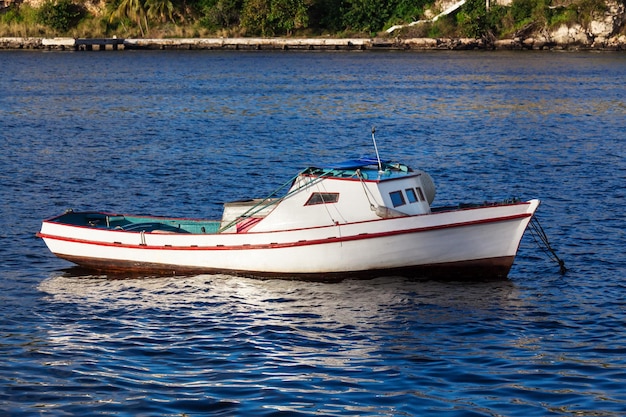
(178, 133)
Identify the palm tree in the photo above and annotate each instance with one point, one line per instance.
(133, 10)
(161, 10)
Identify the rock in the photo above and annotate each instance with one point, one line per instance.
(20, 43)
(420, 43)
(507, 44)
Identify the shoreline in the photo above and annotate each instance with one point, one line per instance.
(300, 44)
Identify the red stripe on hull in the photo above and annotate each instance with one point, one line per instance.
(289, 244)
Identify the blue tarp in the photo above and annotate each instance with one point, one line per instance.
(354, 163)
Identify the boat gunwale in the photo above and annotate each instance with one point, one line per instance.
(143, 216)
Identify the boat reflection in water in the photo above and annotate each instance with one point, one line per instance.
(230, 334)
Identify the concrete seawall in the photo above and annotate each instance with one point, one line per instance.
(306, 44)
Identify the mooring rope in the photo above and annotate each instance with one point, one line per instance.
(365, 190)
(541, 239)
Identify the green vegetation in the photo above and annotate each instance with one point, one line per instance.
(61, 15)
(341, 18)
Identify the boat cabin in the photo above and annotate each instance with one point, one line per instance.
(351, 191)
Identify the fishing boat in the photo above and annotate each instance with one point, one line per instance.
(357, 218)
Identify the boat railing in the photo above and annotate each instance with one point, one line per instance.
(466, 206)
(263, 203)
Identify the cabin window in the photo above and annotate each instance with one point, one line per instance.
(420, 194)
(397, 199)
(410, 195)
(322, 198)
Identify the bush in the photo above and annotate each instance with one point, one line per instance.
(406, 11)
(366, 15)
(445, 26)
(218, 14)
(472, 19)
(11, 16)
(274, 17)
(562, 16)
(61, 15)
(497, 19)
(20, 21)
(522, 9)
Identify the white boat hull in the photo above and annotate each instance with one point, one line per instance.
(458, 243)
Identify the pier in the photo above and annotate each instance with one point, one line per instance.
(82, 44)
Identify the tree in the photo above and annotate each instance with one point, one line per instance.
(473, 19)
(254, 16)
(287, 15)
(219, 14)
(61, 15)
(366, 15)
(274, 17)
(133, 10)
(160, 10)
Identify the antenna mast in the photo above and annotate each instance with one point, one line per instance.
(380, 166)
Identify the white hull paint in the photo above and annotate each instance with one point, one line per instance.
(452, 242)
